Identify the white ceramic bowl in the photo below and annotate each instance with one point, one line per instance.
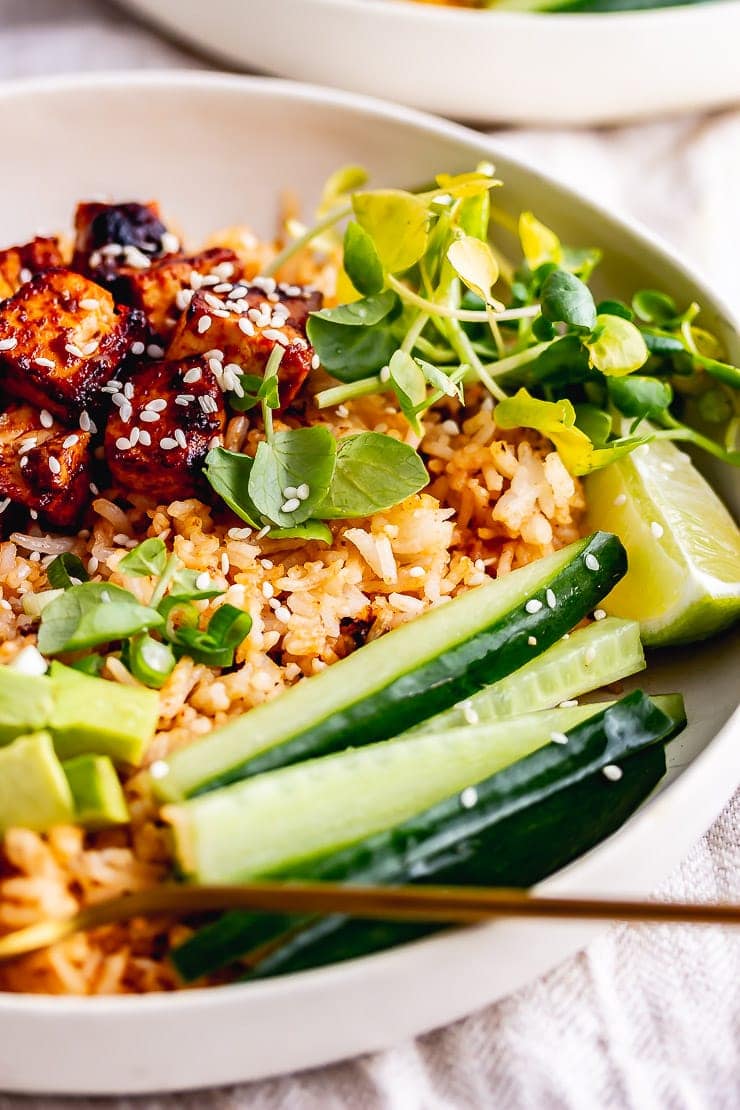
(485, 66)
(216, 150)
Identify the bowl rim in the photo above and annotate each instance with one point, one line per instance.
(681, 793)
(459, 18)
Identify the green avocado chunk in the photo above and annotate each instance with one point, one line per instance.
(34, 792)
(25, 703)
(93, 715)
(96, 790)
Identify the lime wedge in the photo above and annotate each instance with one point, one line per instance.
(683, 582)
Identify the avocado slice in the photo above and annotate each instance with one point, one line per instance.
(96, 790)
(34, 792)
(94, 715)
(25, 703)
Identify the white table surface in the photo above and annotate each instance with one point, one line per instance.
(645, 1017)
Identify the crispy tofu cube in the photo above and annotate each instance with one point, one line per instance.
(244, 326)
(156, 439)
(162, 288)
(61, 339)
(108, 236)
(44, 468)
(20, 264)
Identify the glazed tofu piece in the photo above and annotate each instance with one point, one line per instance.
(44, 467)
(244, 324)
(20, 264)
(162, 427)
(161, 289)
(61, 339)
(109, 236)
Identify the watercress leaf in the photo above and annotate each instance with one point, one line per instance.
(596, 423)
(616, 346)
(539, 243)
(269, 392)
(655, 308)
(410, 386)
(640, 396)
(397, 222)
(474, 215)
(62, 570)
(361, 261)
(473, 184)
(473, 262)
(91, 614)
(350, 353)
(360, 314)
(293, 458)
(566, 299)
(373, 472)
(308, 530)
(542, 329)
(562, 363)
(338, 187)
(614, 308)
(227, 472)
(148, 558)
(556, 421)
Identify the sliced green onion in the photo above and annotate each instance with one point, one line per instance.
(150, 661)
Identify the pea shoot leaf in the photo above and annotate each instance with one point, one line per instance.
(373, 472)
(149, 558)
(410, 386)
(473, 262)
(361, 261)
(359, 314)
(640, 396)
(616, 346)
(568, 300)
(228, 473)
(539, 243)
(397, 222)
(92, 614)
(62, 570)
(339, 186)
(292, 459)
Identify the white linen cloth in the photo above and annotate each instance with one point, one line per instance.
(645, 1017)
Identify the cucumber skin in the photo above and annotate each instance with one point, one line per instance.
(459, 673)
(448, 843)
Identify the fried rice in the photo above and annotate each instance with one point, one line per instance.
(496, 501)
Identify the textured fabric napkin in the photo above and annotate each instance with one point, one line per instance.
(645, 1017)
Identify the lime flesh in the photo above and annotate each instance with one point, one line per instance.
(683, 582)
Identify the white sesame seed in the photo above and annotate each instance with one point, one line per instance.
(193, 375)
(290, 491)
(137, 348)
(89, 304)
(215, 366)
(589, 656)
(92, 565)
(24, 462)
(385, 374)
(569, 703)
(558, 738)
(85, 421)
(46, 362)
(591, 561)
(290, 505)
(54, 465)
(303, 491)
(342, 410)
(4, 504)
(183, 297)
(91, 347)
(450, 427)
(225, 563)
(246, 326)
(469, 714)
(239, 533)
(168, 444)
(157, 405)
(122, 443)
(70, 441)
(203, 581)
(532, 641)
(148, 417)
(276, 336)
(267, 590)
(315, 362)
(566, 636)
(196, 280)
(180, 437)
(73, 349)
(266, 564)
(612, 772)
(8, 344)
(25, 275)
(468, 797)
(46, 419)
(144, 438)
(159, 769)
(118, 400)
(656, 529)
(169, 242)
(533, 605)
(620, 499)
(263, 532)
(204, 324)
(128, 391)
(126, 411)
(551, 599)
(283, 614)
(416, 572)
(33, 514)
(121, 538)
(599, 614)
(134, 437)
(136, 258)
(155, 351)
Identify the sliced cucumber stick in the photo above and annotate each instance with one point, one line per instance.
(419, 669)
(597, 655)
(275, 820)
(513, 828)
